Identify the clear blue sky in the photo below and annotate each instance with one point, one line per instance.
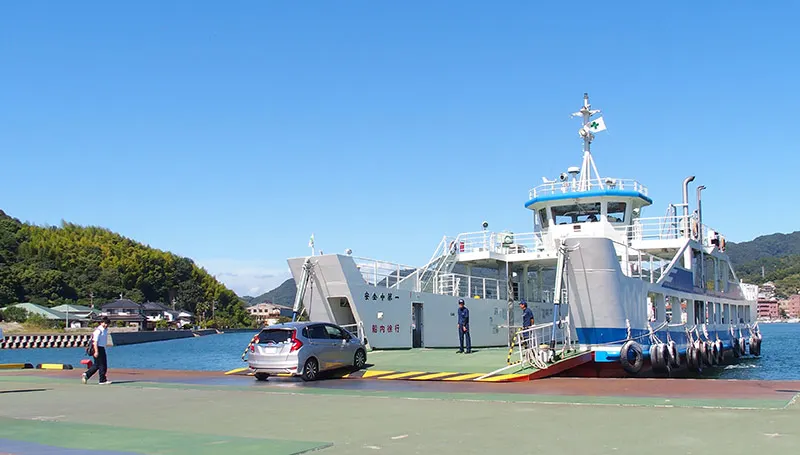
(229, 132)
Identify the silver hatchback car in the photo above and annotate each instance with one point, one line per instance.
(304, 349)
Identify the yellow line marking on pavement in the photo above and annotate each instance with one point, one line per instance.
(432, 376)
(373, 373)
(402, 375)
(464, 377)
(54, 366)
(502, 377)
(237, 370)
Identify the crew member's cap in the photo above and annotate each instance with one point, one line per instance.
(460, 301)
(523, 302)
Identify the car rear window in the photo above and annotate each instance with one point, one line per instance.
(274, 336)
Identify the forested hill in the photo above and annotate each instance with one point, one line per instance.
(74, 264)
(282, 295)
(765, 246)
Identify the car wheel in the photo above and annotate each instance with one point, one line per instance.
(310, 370)
(261, 376)
(360, 359)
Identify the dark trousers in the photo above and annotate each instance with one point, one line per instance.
(100, 364)
(461, 335)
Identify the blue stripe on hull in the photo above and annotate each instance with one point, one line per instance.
(617, 336)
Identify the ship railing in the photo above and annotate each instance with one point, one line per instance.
(638, 264)
(468, 286)
(656, 228)
(499, 242)
(356, 329)
(382, 273)
(578, 186)
(537, 347)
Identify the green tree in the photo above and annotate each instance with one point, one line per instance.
(15, 314)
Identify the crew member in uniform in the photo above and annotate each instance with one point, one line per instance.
(527, 319)
(463, 327)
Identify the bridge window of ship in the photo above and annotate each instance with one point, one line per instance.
(615, 212)
(576, 213)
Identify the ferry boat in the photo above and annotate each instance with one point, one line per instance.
(626, 294)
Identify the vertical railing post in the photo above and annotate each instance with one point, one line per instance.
(469, 286)
(483, 296)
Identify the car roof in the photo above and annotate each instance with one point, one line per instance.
(293, 325)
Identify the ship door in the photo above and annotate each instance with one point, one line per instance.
(416, 325)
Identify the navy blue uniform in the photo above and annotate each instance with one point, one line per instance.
(527, 318)
(463, 329)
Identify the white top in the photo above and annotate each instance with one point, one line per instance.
(100, 335)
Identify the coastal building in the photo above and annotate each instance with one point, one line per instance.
(267, 313)
(77, 315)
(766, 291)
(792, 307)
(155, 312)
(126, 311)
(53, 314)
(768, 309)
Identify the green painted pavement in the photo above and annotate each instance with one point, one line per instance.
(398, 425)
(279, 388)
(116, 438)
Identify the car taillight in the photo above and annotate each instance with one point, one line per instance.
(296, 344)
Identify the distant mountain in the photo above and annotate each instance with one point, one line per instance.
(774, 257)
(765, 246)
(283, 295)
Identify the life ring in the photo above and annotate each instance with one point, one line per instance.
(694, 228)
(721, 243)
(453, 247)
(631, 349)
(674, 357)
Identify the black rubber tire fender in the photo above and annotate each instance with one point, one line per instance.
(674, 356)
(702, 354)
(742, 346)
(735, 347)
(634, 366)
(656, 362)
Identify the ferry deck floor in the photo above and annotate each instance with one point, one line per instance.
(175, 412)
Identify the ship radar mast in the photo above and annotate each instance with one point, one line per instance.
(590, 126)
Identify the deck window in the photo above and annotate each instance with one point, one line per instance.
(576, 213)
(543, 221)
(616, 212)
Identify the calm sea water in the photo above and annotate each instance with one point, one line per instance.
(780, 356)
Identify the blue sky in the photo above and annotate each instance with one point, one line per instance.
(230, 132)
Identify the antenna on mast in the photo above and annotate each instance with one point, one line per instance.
(587, 133)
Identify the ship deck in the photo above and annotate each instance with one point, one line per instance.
(175, 412)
